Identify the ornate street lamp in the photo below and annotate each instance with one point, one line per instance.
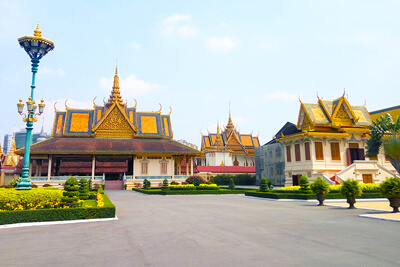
(36, 47)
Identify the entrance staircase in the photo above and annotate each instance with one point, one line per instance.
(114, 185)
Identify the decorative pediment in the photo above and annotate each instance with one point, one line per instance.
(114, 124)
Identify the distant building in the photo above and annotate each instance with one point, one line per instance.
(270, 160)
(227, 152)
(7, 143)
(36, 137)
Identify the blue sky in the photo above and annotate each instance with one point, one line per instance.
(259, 56)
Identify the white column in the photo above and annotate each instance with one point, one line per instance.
(93, 166)
(133, 168)
(49, 168)
(187, 165)
(191, 166)
(173, 167)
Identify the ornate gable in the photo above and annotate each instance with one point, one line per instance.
(114, 124)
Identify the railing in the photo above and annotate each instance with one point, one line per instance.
(182, 176)
(153, 177)
(64, 178)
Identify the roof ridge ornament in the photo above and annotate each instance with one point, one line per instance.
(37, 32)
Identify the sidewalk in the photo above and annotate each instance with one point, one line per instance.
(381, 205)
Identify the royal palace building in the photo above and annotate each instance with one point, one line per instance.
(113, 143)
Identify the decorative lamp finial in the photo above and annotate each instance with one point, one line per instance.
(37, 32)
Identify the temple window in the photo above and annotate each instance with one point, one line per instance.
(163, 167)
(307, 150)
(288, 154)
(297, 152)
(278, 152)
(319, 152)
(145, 167)
(335, 151)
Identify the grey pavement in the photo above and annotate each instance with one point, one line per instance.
(208, 230)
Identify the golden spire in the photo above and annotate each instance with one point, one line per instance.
(218, 140)
(115, 94)
(37, 32)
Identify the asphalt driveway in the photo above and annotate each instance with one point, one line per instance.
(208, 230)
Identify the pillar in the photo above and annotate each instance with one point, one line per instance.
(191, 166)
(187, 165)
(49, 168)
(93, 166)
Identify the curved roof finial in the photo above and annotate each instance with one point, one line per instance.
(160, 108)
(365, 102)
(66, 107)
(135, 104)
(94, 103)
(170, 111)
(55, 109)
(344, 92)
(300, 99)
(318, 96)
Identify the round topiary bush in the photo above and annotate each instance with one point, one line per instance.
(351, 189)
(320, 187)
(146, 184)
(232, 184)
(165, 186)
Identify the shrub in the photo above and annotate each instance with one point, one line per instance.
(196, 180)
(83, 189)
(240, 179)
(351, 188)
(165, 185)
(231, 184)
(183, 187)
(208, 187)
(212, 180)
(208, 182)
(174, 183)
(184, 182)
(370, 187)
(304, 185)
(146, 184)
(390, 188)
(38, 198)
(320, 186)
(103, 186)
(264, 184)
(13, 182)
(71, 193)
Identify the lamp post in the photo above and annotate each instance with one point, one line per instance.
(37, 47)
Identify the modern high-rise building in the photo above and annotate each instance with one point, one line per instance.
(7, 143)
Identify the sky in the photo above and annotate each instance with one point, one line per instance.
(256, 59)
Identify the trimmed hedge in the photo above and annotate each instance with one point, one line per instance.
(45, 215)
(240, 179)
(285, 195)
(189, 192)
(182, 187)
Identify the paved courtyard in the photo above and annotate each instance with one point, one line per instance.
(208, 230)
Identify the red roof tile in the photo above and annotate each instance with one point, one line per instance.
(227, 169)
(109, 146)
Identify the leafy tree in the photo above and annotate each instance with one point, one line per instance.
(385, 132)
(212, 180)
(196, 180)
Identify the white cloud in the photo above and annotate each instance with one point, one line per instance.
(135, 45)
(221, 44)
(176, 18)
(131, 86)
(179, 24)
(46, 71)
(187, 30)
(283, 96)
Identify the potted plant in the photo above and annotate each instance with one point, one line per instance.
(320, 187)
(351, 189)
(390, 188)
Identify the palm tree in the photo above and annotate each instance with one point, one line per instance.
(385, 132)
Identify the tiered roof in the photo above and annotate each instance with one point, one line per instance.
(112, 128)
(229, 140)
